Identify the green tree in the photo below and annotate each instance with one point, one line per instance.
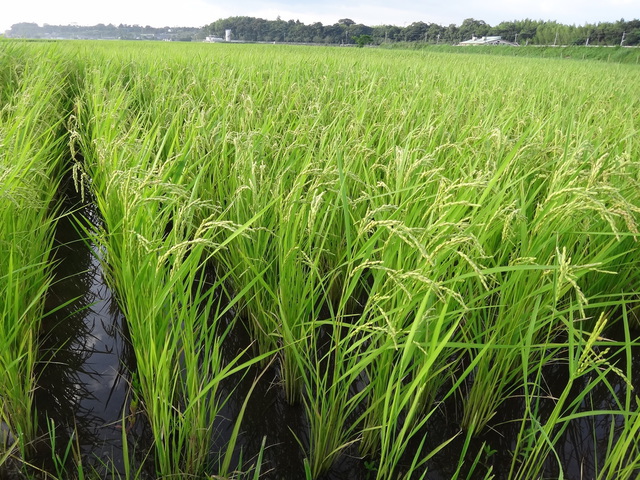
(416, 32)
(473, 28)
(363, 40)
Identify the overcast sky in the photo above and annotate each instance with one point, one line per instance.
(197, 13)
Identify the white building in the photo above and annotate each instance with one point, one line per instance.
(487, 41)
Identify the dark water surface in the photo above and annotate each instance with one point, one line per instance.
(85, 357)
(581, 449)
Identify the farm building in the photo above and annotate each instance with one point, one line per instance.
(487, 41)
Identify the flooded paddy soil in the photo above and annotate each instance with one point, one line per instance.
(581, 448)
(85, 358)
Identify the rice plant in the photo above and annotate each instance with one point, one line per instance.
(398, 231)
(32, 112)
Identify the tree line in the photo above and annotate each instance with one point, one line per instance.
(104, 32)
(532, 32)
(346, 31)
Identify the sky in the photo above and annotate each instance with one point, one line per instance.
(197, 13)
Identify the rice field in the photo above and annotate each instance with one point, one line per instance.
(32, 151)
(433, 257)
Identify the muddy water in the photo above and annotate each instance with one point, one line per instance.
(85, 357)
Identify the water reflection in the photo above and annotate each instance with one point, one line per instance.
(267, 415)
(583, 446)
(581, 449)
(84, 356)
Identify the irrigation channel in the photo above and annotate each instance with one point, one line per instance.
(85, 357)
(83, 395)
